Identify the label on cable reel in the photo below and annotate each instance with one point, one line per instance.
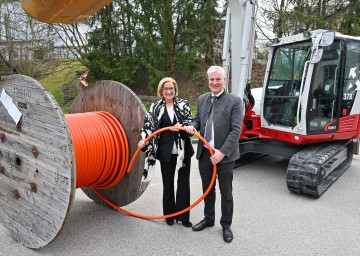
(8, 103)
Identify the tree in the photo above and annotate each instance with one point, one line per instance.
(141, 41)
(295, 16)
(25, 43)
(131, 41)
(350, 22)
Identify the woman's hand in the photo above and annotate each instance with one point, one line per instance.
(174, 129)
(141, 144)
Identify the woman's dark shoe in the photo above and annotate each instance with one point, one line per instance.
(187, 224)
(170, 222)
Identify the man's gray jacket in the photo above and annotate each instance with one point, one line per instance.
(227, 121)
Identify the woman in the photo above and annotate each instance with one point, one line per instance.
(168, 146)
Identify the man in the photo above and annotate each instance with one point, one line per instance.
(219, 115)
(322, 101)
(319, 93)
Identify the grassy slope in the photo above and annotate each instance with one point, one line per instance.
(64, 74)
(189, 90)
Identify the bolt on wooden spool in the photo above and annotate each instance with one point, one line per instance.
(38, 164)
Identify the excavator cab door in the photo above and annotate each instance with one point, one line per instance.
(323, 104)
(333, 90)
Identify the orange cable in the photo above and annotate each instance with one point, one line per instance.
(101, 149)
(173, 214)
(111, 151)
(102, 152)
(122, 144)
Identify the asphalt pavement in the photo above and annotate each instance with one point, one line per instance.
(268, 220)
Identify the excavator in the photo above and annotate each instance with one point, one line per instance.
(309, 106)
(309, 109)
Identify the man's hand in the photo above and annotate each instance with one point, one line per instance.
(217, 156)
(190, 129)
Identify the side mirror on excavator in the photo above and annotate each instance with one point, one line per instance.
(324, 39)
(327, 38)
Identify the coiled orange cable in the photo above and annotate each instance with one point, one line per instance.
(102, 152)
(101, 149)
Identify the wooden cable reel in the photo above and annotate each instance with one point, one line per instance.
(62, 11)
(37, 159)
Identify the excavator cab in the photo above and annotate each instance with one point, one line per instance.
(311, 89)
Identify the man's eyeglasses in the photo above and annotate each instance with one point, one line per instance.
(168, 88)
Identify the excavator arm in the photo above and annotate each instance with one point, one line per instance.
(239, 39)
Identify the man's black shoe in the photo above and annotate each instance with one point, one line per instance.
(227, 235)
(202, 225)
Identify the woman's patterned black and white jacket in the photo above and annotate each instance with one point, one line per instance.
(152, 123)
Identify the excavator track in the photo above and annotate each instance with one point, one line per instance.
(313, 170)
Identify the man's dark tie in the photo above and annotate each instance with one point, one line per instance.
(208, 128)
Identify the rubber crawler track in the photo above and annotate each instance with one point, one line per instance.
(305, 170)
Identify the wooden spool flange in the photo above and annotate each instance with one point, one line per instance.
(37, 162)
(126, 107)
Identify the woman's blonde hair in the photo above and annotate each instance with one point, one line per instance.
(161, 85)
